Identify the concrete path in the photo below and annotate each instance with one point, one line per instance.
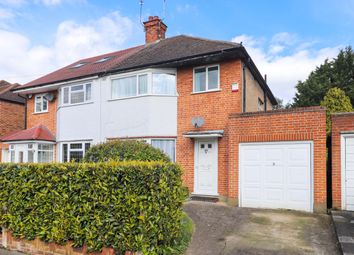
(224, 230)
(344, 226)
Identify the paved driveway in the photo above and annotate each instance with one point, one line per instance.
(221, 229)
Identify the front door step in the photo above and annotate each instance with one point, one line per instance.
(209, 199)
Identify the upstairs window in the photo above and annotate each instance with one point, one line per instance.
(130, 86)
(41, 104)
(260, 105)
(206, 78)
(76, 94)
(144, 84)
(163, 84)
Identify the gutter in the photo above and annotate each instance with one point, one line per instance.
(49, 85)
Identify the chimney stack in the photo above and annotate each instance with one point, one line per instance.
(155, 29)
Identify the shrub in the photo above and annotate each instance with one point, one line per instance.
(127, 150)
(130, 206)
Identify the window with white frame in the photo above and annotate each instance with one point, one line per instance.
(12, 153)
(30, 153)
(41, 104)
(168, 146)
(163, 84)
(206, 78)
(74, 151)
(130, 86)
(45, 153)
(157, 83)
(76, 94)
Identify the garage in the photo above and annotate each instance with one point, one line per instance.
(348, 172)
(276, 175)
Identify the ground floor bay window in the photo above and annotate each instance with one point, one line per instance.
(31, 152)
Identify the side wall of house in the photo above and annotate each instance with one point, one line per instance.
(12, 118)
(341, 123)
(253, 92)
(215, 108)
(302, 124)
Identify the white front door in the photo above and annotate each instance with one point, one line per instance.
(348, 173)
(276, 175)
(206, 167)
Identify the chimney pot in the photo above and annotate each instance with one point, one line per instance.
(155, 29)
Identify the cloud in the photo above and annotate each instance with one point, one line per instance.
(51, 2)
(21, 61)
(6, 14)
(187, 8)
(286, 59)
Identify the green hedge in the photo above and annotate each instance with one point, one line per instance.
(124, 150)
(130, 206)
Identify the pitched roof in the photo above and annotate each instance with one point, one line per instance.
(85, 67)
(38, 132)
(165, 50)
(171, 52)
(7, 95)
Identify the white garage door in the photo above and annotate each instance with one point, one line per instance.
(348, 173)
(276, 175)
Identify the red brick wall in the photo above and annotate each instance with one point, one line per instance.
(303, 124)
(12, 118)
(215, 108)
(340, 123)
(38, 247)
(47, 119)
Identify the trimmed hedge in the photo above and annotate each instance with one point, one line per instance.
(130, 206)
(124, 150)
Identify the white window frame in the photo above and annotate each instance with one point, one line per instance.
(149, 73)
(42, 98)
(83, 149)
(41, 150)
(149, 141)
(84, 86)
(12, 150)
(136, 76)
(206, 79)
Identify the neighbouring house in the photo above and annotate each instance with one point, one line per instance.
(203, 102)
(343, 161)
(12, 113)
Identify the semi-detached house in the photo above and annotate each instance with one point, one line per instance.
(203, 102)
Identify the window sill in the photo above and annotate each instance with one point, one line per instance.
(207, 91)
(148, 95)
(72, 105)
(37, 113)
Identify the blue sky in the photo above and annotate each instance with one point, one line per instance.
(286, 39)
